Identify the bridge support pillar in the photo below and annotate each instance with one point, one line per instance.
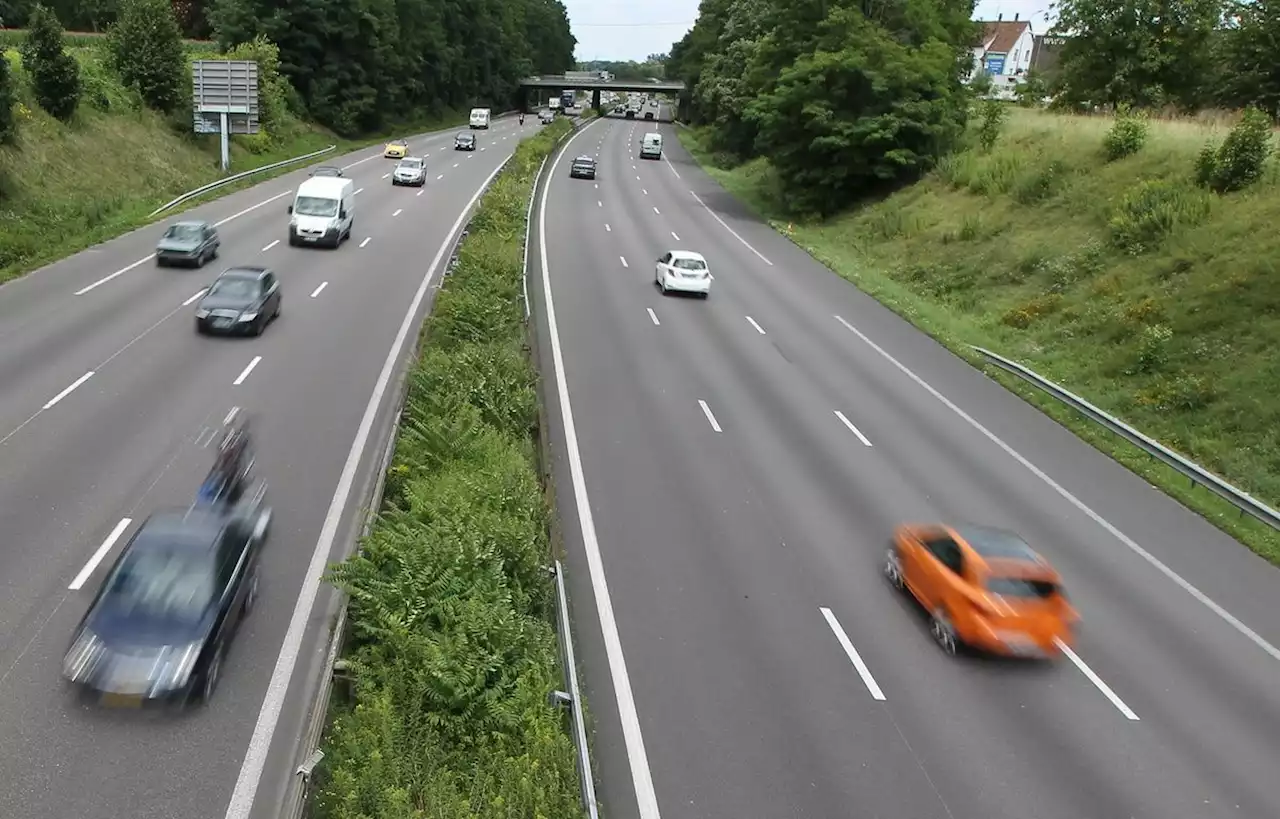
(595, 100)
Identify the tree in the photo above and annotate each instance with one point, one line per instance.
(8, 123)
(1247, 54)
(1144, 53)
(55, 74)
(146, 51)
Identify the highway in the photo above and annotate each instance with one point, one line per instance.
(729, 472)
(109, 395)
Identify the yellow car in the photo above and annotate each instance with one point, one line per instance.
(396, 149)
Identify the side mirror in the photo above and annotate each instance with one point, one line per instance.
(291, 209)
(342, 214)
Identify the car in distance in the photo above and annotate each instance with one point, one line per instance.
(983, 588)
(648, 114)
(158, 629)
(410, 171)
(242, 301)
(464, 142)
(583, 167)
(396, 149)
(188, 243)
(326, 170)
(683, 271)
(546, 116)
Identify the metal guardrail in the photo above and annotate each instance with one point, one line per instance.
(528, 226)
(1198, 475)
(236, 177)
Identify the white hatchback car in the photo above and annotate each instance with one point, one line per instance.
(684, 272)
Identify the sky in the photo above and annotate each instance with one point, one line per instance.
(634, 29)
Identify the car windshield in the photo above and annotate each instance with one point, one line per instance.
(689, 264)
(1021, 587)
(234, 288)
(184, 233)
(326, 172)
(411, 164)
(161, 583)
(315, 206)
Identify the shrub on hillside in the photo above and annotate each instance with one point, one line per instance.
(992, 115)
(274, 92)
(8, 99)
(1153, 210)
(1241, 159)
(146, 51)
(1126, 136)
(55, 74)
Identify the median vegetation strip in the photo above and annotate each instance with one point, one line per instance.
(452, 650)
(1099, 252)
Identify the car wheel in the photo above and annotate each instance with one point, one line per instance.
(160, 262)
(210, 682)
(705, 294)
(944, 633)
(276, 314)
(260, 326)
(251, 595)
(213, 254)
(200, 331)
(893, 569)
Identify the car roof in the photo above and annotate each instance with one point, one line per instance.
(408, 158)
(190, 223)
(687, 254)
(996, 544)
(243, 272)
(584, 158)
(194, 529)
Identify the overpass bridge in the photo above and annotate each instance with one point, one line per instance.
(565, 82)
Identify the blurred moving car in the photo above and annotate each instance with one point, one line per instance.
(396, 149)
(464, 142)
(583, 167)
(546, 116)
(411, 170)
(983, 588)
(683, 271)
(243, 300)
(188, 243)
(159, 627)
(326, 170)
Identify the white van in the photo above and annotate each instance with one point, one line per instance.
(651, 146)
(480, 118)
(323, 211)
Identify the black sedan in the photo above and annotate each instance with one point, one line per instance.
(159, 628)
(464, 142)
(583, 167)
(242, 301)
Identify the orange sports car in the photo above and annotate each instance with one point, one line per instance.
(983, 588)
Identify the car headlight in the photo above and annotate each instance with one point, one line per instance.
(176, 667)
(83, 656)
(248, 316)
(202, 313)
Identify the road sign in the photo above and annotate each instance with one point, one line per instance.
(224, 97)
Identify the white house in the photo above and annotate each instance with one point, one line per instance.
(1004, 53)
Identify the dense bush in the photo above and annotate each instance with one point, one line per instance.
(146, 51)
(1126, 136)
(1241, 159)
(451, 645)
(55, 74)
(8, 99)
(1152, 210)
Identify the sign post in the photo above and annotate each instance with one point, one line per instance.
(225, 99)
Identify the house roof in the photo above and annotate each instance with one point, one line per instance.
(999, 37)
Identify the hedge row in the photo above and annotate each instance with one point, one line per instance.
(14, 38)
(452, 646)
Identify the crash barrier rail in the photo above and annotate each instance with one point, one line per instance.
(1198, 475)
(298, 798)
(236, 177)
(571, 699)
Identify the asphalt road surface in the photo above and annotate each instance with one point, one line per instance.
(744, 460)
(127, 440)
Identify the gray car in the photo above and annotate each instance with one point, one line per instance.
(188, 243)
(411, 170)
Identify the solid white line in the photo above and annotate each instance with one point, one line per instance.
(358, 190)
(119, 272)
(245, 373)
(1096, 680)
(710, 418)
(632, 736)
(231, 416)
(54, 400)
(753, 323)
(672, 167)
(198, 294)
(398, 212)
(1155, 562)
(607, 229)
(653, 316)
(251, 208)
(366, 241)
(316, 292)
(102, 552)
(732, 232)
(852, 653)
(675, 236)
(273, 244)
(269, 716)
(852, 428)
(623, 259)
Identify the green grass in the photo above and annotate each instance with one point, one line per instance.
(452, 640)
(68, 186)
(1023, 251)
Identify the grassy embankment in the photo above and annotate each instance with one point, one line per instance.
(1017, 251)
(452, 645)
(65, 187)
